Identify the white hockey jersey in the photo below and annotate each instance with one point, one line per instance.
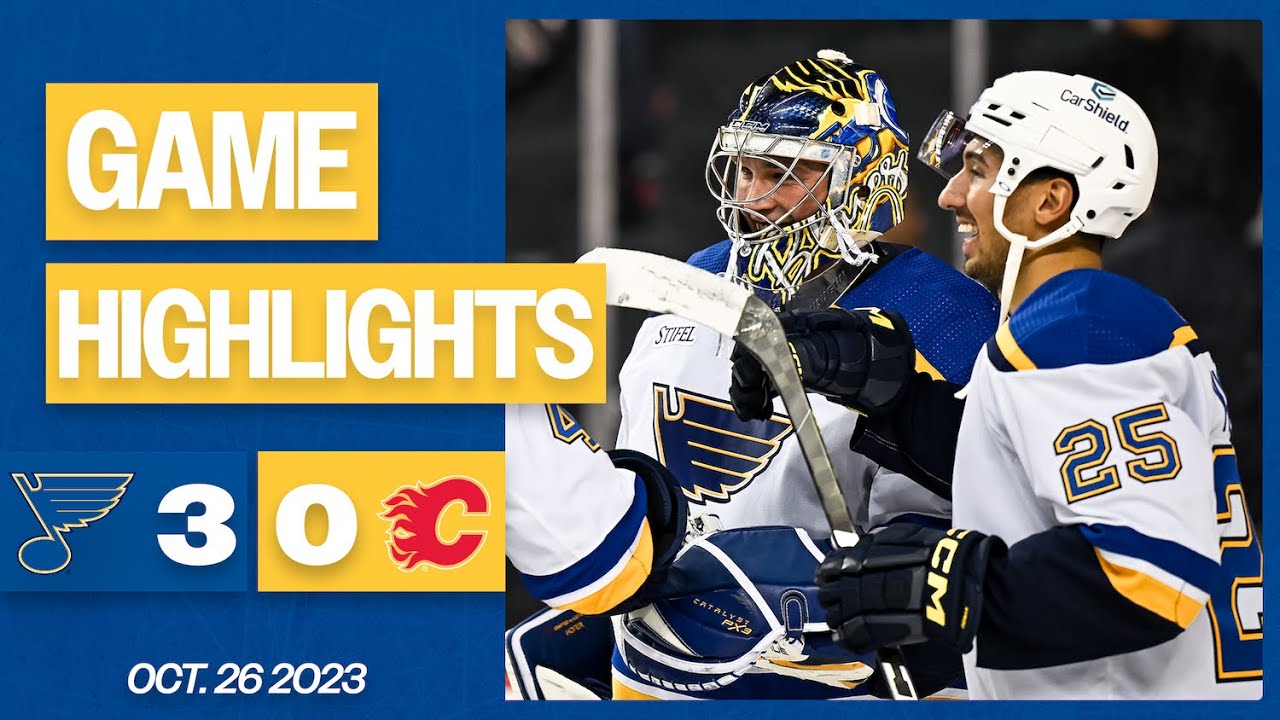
(1096, 407)
(576, 524)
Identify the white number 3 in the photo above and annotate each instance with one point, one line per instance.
(220, 540)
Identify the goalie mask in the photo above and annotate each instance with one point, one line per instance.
(810, 167)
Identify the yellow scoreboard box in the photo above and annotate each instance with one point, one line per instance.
(380, 521)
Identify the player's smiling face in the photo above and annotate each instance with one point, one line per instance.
(968, 195)
(782, 197)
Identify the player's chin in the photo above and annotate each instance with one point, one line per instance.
(981, 272)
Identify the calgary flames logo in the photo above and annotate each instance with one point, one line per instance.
(415, 513)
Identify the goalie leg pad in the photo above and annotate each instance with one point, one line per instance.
(560, 655)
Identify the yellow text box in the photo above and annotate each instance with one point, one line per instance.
(324, 333)
(423, 521)
(306, 155)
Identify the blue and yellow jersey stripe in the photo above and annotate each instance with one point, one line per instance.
(1161, 576)
(1005, 353)
(622, 582)
(1086, 317)
(610, 573)
(1148, 590)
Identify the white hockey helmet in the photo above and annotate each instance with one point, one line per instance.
(1076, 124)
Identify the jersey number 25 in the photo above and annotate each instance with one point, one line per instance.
(1087, 445)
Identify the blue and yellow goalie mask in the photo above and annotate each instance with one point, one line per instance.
(810, 167)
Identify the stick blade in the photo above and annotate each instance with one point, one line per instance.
(646, 281)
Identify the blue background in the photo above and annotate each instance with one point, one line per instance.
(440, 73)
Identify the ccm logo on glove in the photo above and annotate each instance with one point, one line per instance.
(943, 553)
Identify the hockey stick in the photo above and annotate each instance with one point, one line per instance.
(660, 284)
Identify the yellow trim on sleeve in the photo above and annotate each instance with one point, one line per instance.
(623, 692)
(923, 365)
(633, 575)
(1009, 348)
(1183, 335)
(1143, 590)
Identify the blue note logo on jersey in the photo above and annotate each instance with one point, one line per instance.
(63, 502)
(706, 446)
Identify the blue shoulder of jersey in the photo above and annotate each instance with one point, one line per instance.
(950, 316)
(1088, 317)
(714, 259)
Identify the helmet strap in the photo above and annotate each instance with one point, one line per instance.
(1013, 264)
(1018, 245)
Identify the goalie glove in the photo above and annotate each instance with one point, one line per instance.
(858, 358)
(906, 584)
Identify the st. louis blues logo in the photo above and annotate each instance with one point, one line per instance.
(63, 502)
(706, 446)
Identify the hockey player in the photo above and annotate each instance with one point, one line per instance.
(808, 171)
(1102, 547)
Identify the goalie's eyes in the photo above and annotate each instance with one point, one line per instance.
(747, 175)
(766, 170)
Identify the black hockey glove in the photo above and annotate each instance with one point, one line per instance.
(859, 358)
(906, 584)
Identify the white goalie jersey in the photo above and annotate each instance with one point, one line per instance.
(1097, 408)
